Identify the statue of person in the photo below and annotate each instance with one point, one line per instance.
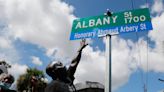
(61, 76)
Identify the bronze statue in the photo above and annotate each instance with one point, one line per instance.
(61, 76)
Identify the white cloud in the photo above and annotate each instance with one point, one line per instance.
(44, 23)
(156, 54)
(17, 69)
(157, 33)
(123, 64)
(91, 66)
(158, 6)
(36, 61)
(5, 43)
(9, 53)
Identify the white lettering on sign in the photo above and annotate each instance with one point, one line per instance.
(84, 25)
(99, 22)
(114, 19)
(84, 35)
(106, 20)
(107, 31)
(129, 18)
(96, 22)
(143, 26)
(129, 29)
(91, 22)
(78, 25)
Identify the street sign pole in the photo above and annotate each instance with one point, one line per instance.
(108, 74)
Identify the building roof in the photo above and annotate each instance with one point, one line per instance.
(88, 84)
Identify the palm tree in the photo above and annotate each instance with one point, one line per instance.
(31, 81)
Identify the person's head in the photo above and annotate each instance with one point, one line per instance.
(55, 69)
(6, 80)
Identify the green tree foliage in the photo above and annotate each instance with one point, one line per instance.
(31, 81)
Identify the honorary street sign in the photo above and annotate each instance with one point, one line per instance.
(122, 22)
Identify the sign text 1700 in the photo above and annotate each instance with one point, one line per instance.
(129, 18)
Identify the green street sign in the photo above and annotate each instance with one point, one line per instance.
(122, 22)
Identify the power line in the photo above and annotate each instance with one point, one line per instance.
(147, 5)
(139, 61)
(147, 67)
(144, 79)
(139, 55)
(145, 82)
(132, 4)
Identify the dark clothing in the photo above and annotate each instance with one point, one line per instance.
(3, 89)
(57, 86)
(62, 82)
(62, 77)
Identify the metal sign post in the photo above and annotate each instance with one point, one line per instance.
(108, 75)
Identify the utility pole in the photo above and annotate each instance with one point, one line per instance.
(108, 75)
(145, 88)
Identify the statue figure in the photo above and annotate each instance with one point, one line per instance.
(61, 76)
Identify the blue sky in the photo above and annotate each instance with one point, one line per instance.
(33, 33)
